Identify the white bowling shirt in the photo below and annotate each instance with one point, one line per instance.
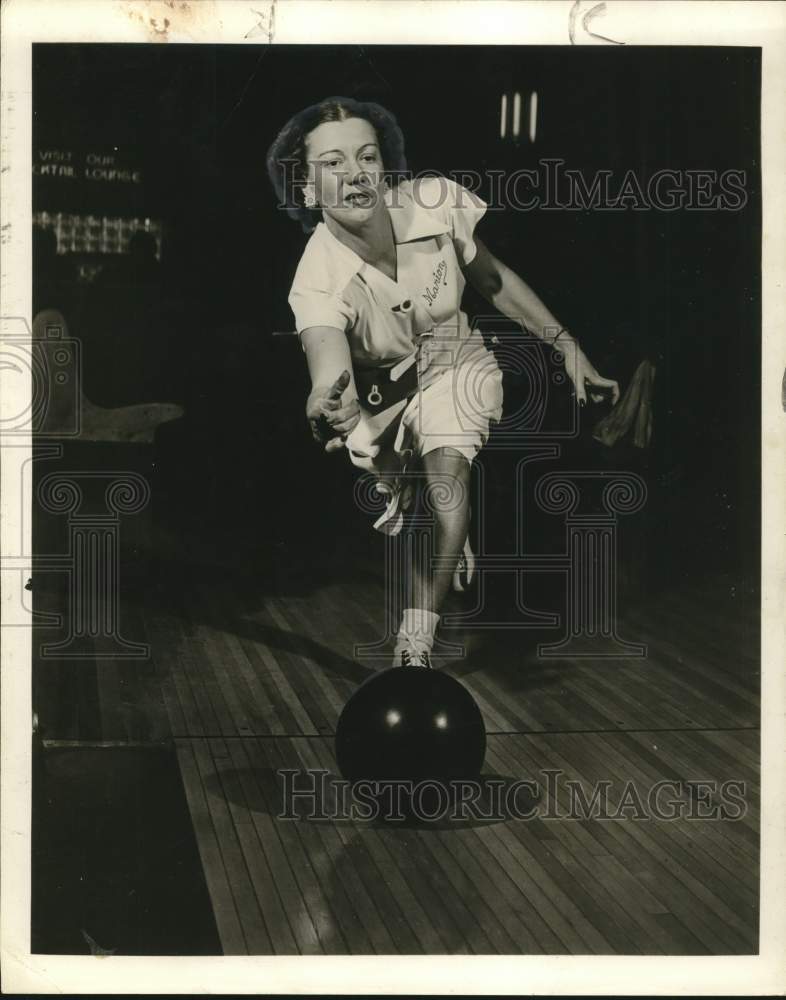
(433, 221)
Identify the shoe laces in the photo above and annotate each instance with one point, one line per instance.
(409, 658)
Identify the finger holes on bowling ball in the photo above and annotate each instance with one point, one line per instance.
(412, 725)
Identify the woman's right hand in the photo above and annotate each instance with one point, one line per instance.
(331, 422)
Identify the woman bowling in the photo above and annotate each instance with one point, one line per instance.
(399, 379)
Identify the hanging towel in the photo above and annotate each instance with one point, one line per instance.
(633, 411)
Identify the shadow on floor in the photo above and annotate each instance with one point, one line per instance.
(493, 799)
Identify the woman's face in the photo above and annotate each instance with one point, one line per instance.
(345, 170)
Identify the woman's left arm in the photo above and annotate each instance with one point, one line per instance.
(513, 297)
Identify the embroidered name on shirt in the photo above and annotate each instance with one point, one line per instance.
(440, 275)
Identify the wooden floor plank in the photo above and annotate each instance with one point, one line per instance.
(698, 658)
(319, 715)
(332, 912)
(366, 605)
(555, 908)
(280, 938)
(338, 636)
(284, 680)
(680, 640)
(601, 932)
(740, 835)
(622, 837)
(438, 932)
(234, 693)
(184, 716)
(444, 925)
(178, 726)
(207, 662)
(398, 918)
(264, 717)
(307, 904)
(661, 845)
(514, 869)
(248, 682)
(491, 704)
(285, 704)
(383, 878)
(162, 657)
(492, 881)
(246, 903)
(331, 702)
(474, 895)
(342, 633)
(457, 927)
(620, 913)
(738, 747)
(142, 683)
(652, 704)
(355, 870)
(723, 757)
(607, 687)
(193, 689)
(197, 666)
(230, 931)
(303, 938)
(729, 640)
(705, 854)
(335, 614)
(501, 713)
(679, 697)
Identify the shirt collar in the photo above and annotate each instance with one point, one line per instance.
(410, 221)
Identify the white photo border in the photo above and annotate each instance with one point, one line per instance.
(475, 22)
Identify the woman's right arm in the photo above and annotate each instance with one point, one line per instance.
(332, 407)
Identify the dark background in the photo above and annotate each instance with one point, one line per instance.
(239, 473)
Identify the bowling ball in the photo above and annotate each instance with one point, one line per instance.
(413, 725)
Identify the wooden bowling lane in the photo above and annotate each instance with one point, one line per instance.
(270, 664)
(547, 884)
(245, 682)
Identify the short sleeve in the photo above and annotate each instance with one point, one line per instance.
(314, 307)
(466, 210)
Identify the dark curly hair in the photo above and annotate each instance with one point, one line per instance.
(286, 158)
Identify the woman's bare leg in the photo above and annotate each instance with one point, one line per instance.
(433, 555)
(447, 501)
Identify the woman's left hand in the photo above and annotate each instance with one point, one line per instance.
(584, 377)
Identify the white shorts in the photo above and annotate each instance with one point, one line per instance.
(458, 398)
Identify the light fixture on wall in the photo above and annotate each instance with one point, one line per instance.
(512, 108)
(533, 115)
(516, 114)
(503, 116)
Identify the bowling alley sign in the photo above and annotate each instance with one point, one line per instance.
(103, 168)
(85, 179)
